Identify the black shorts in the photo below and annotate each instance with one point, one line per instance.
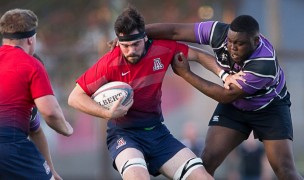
(270, 123)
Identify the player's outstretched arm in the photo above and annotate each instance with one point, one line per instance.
(205, 58)
(52, 114)
(208, 60)
(181, 67)
(171, 31)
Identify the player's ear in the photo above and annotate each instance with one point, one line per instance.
(256, 40)
(30, 40)
(146, 38)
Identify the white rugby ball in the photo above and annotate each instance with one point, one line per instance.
(107, 94)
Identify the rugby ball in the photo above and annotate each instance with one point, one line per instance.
(107, 94)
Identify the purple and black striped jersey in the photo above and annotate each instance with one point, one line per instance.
(264, 77)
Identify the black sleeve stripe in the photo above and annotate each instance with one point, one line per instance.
(217, 36)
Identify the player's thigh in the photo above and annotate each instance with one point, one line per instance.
(127, 154)
(279, 153)
(131, 165)
(178, 160)
(219, 142)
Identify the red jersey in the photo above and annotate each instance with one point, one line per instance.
(145, 77)
(22, 79)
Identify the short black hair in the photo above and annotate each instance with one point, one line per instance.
(245, 23)
(128, 21)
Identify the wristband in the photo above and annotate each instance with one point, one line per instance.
(223, 75)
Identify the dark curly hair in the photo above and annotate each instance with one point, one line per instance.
(128, 21)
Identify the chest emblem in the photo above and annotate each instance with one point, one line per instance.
(157, 64)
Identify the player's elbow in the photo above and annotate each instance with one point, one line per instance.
(226, 98)
(72, 100)
(225, 101)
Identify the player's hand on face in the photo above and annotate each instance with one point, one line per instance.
(112, 43)
(232, 79)
(180, 64)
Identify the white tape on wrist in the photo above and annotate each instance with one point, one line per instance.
(223, 75)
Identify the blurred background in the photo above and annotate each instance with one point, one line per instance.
(72, 35)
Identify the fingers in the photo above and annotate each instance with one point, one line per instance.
(239, 76)
(183, 58)
(117, 103)
(232, 79)
(111, 44)
(179, 57)
(129, 104)
(241, 73)
(119, 110)
(226, 86)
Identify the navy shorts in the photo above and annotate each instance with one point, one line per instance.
(157, 145)
(22, 160)
(270, 123)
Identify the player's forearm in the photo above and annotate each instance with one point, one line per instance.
(84, 103)
(159, 31)
(58, 123)
(171, 31)
(50, 110)
(210, 89)
(205, 58)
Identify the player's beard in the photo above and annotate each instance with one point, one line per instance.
(133, 58)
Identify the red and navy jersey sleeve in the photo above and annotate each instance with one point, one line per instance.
(40, 83)
(97, 75)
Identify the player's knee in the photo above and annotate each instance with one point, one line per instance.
(211, 162)
(185, 169)
(135, 162)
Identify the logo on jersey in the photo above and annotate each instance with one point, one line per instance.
(124, 73)
(120, 142)
(157, 64)
(46, 167)
(215, 118)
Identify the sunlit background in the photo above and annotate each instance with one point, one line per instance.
(72, 35)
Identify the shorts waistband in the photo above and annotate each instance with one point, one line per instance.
(145, 128)
(11, 134)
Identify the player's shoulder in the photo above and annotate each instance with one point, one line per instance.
(24, 59)
(264, 51)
